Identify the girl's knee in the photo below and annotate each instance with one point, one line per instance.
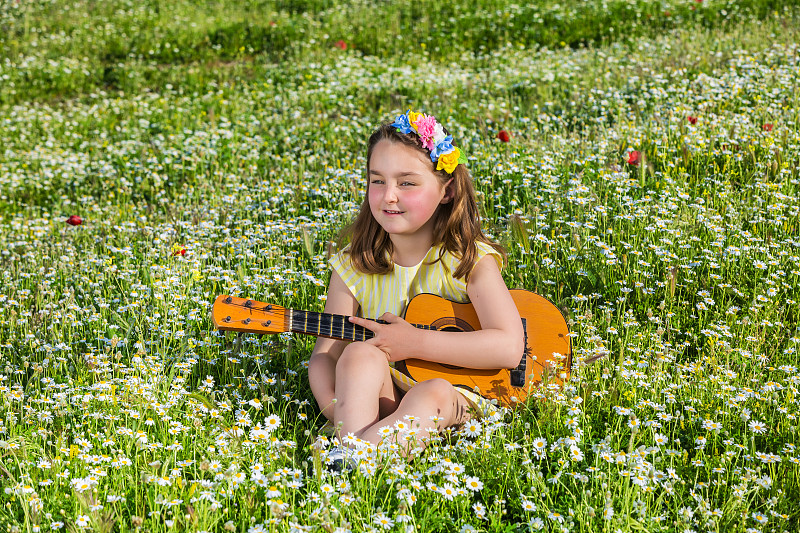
(437, 391)
(361, 356)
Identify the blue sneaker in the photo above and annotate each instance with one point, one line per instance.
(340, 459)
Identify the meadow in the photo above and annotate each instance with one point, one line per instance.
(154, 155)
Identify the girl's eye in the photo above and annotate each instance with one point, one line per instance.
(376, 182)
(407, 184)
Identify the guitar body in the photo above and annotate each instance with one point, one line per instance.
(548, 353)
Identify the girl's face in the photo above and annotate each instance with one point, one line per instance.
(404, 192)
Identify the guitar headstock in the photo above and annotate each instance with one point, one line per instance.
(231, 313)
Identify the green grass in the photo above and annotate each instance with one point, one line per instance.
(244, 143)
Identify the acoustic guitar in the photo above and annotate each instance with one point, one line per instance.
(547, 355)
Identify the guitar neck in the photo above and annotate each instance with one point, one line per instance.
(331, 326)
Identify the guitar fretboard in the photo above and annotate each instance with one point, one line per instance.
(333, 326)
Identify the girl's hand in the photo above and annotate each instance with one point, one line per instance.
(396, 339)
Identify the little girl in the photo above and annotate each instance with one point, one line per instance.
(418, 231)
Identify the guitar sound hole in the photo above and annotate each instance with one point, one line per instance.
(451, 328)
(451, 367)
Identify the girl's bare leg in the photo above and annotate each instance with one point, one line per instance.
(433, 404)
(364, 389)
(366, 399)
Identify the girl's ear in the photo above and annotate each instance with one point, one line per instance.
(449, 193)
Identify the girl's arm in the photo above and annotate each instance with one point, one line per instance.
(322, 365)
(498, 344)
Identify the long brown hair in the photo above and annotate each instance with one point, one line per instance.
(456, 223)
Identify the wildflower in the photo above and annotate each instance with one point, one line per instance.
(634, 157)
(766, 127)
(504, 136)
(82, 521)
(448, 491)
(74, 220)
(575, 453)
(528, 505)
(757, 427)
(472, 428)
(341, 45)
(382, 520)
(692, 120)
(480, 510)
(473, 483)
(177, 249)
(272, 422)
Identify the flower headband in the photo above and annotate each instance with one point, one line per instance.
(431, 134)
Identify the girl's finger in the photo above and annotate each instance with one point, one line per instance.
(389, 317)
(369, 324)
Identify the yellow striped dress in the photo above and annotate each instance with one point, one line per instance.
(381, 293)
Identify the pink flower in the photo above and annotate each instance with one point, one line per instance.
(634, 157)
(504, 136)
(74, 220)
(426, 128)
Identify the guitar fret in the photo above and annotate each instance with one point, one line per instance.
(345, 326)
(305, 321)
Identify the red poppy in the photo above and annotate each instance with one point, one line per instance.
(273, 23)
(504, 136)
(692, 120)
(74, 220)
(340, 44)
(766, 127)
(178, 250)
(634, 157)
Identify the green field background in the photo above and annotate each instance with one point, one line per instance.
(649, 188)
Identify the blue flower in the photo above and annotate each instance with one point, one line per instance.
(444, 147)
(402, 124)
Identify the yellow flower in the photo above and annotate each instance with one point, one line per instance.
(449, 161)
(413, 116)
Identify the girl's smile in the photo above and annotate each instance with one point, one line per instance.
(404, 193)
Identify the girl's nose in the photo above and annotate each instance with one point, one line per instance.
(390, 195)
